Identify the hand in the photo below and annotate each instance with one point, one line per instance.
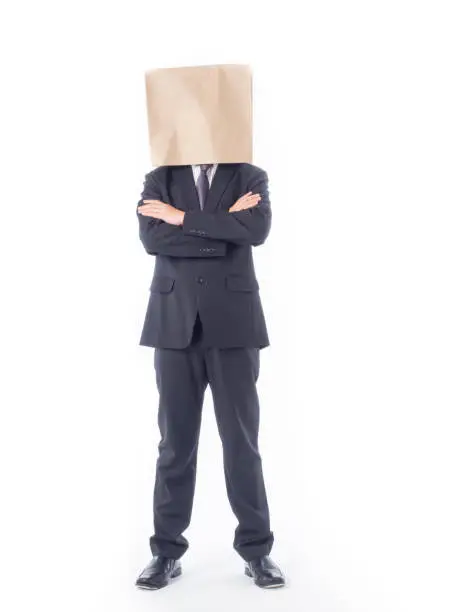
(246, 201)
(161, 210)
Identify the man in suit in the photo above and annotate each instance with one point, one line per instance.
(206, 324)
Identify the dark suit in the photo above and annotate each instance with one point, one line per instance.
(205, 320)
(207, 264)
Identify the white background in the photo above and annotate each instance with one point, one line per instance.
(356, 124)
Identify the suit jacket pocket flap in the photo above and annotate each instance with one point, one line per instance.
(241, 283)
(162, 284)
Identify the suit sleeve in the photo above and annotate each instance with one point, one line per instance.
(160, 238)
(247, 227)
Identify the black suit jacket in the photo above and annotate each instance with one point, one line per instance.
(205, 265)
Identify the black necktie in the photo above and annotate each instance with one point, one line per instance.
(203, 184)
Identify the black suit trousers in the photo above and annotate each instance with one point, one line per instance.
(182, 376)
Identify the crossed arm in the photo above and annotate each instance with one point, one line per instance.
(166, 230)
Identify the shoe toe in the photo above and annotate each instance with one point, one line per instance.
(151, 582)
(271, 583)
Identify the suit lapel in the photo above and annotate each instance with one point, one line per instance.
(185, 180)
(223, 175)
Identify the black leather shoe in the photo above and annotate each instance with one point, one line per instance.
(265, 573)
(158, 573)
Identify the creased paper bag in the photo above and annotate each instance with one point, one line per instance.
(199, 114)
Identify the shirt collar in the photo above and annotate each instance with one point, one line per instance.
(211, 171)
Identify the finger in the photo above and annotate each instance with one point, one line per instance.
(254, 198)
(152, 207)
(252, 203)
(147, 211)
(243, 201)
(152, 214)
(147, 208)
(249, 205)
(251, 196)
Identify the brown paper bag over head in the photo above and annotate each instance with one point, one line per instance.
(200, 114)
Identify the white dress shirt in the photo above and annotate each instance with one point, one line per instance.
(210, 173)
